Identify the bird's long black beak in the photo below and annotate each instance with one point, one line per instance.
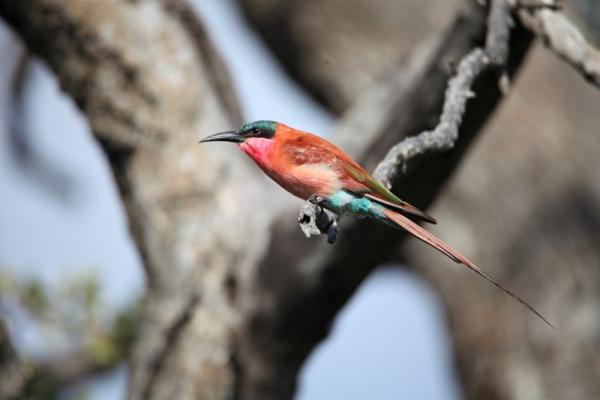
(229, 136)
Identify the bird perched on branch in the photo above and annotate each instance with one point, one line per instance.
(314, 169)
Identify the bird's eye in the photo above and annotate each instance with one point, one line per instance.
(256, 131)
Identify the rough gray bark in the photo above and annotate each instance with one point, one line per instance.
(150, 85)
(217, 323)
(234, 312)
(321, 42)
(565, 40)
(203, 321)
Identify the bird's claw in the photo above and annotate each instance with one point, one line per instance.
(316, 200)
(332, 231)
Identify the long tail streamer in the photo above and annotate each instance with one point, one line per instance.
(453, 254)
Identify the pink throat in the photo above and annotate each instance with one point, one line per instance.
(259, 149)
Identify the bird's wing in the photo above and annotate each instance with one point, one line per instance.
(311, 149)
(376, 191)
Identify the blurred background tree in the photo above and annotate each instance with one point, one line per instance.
(231, 309)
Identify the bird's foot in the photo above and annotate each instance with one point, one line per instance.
(316, 220)
(332, 231)
(316, 200)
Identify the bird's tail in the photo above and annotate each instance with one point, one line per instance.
(401, 221)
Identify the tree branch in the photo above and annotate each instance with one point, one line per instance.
(303, 286)
(445, 134)
(149, 82)
(563, 38)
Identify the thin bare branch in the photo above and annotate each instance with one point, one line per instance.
(445, 134)
(563, 38)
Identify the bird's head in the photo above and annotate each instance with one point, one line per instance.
(257, 129)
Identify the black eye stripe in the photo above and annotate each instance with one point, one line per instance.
(261, 129)
(257, 131)
(254, 132)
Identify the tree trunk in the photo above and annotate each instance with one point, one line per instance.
(151, 85)
(236, 298)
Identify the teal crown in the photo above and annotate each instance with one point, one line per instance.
(267, 127)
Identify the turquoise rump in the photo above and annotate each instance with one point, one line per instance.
(342, 202)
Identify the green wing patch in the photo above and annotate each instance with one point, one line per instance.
(377, 192)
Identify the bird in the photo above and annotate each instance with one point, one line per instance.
(312, 168)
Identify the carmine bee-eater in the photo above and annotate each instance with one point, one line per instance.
(310, 167)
